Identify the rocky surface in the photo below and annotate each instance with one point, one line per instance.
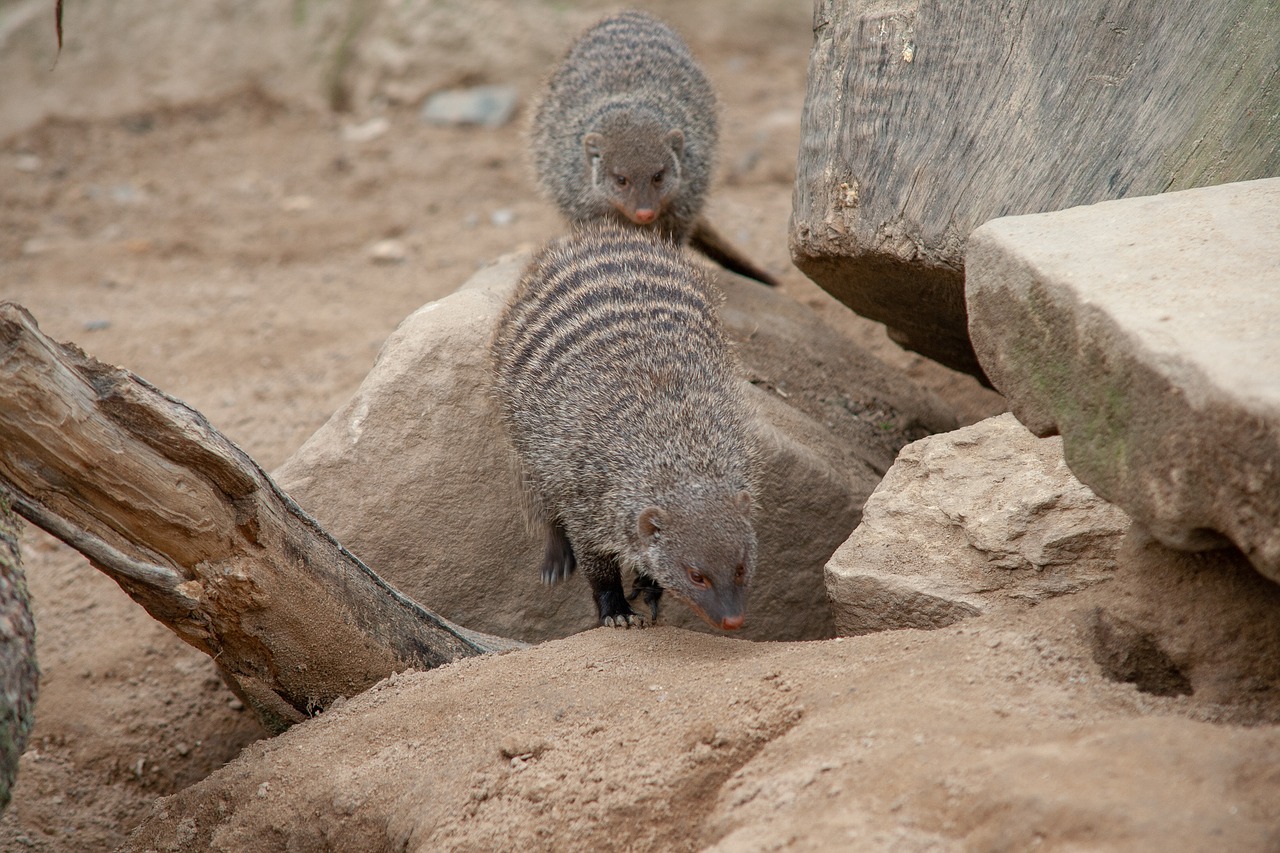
(968, 522)
(1135, 710)
(415, 476)
(925, 118)
(1144, 331)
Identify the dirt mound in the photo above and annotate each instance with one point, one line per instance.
(989, 736)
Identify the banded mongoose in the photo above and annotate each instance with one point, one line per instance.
(621, 398)
(626, 130)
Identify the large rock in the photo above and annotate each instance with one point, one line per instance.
(1145, 331)
(415, 476)
(925, 118)
(786, 350)
(967, 522)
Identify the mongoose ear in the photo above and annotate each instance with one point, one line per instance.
(650, 523)
(593, 144)
(742, 500)
(675, 139)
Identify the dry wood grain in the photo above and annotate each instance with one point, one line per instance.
(193, 529)
(923, 119)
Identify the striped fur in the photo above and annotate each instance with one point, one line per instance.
(620, 394)
(633, 80)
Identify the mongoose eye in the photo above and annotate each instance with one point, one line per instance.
(740, 575)
(621, 181)
(698, 579)
(658, 179)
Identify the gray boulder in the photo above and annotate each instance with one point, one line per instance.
(415, 476)
(1145, 332)
(925, 118)
(985, 517)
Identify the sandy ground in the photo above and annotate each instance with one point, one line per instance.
(220, 247)
(221, 250)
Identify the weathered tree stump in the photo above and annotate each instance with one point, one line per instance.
(924, 119)
(193, 529)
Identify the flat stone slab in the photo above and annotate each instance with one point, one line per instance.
(1147, 332)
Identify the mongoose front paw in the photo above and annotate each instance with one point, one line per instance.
(652, 592)
(553, 574)
(625, 620)
(559, 560)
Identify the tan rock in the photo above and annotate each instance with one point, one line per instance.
(414, 473)
(967, 522)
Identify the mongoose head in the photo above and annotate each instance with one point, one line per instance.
(704, 554)
(635, 166)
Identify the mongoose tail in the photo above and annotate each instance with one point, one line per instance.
(709, 242)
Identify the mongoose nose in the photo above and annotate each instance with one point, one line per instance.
(732, 623)
(645, 215)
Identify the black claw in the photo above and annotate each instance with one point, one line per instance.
(611, 603)
(558, 561)
(652, 594)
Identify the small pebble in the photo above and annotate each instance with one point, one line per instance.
(502, 217)
(388, 252)
(366, 131)
(126, 194)
(297, 203)
(97, 325)
(487, 106)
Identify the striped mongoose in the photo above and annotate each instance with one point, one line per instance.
(621, 398)
(626, 130)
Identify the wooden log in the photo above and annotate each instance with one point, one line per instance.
(194, 530)
(925, 118)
